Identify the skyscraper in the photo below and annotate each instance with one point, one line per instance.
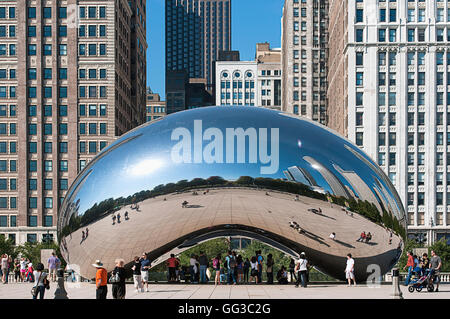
(389, 87)
(196, 30)
(70, 89)
(304, 44)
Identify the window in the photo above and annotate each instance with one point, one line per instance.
(92, 147)
(359, 78)
(382, 15)
(359, 15)
(48, 166)
(62, 73)
(62, 12)
(62, 31)
(411, 35)
(47, 12)
(63, 166)
(47, 49)
(359, 138)
(32, 220)
(381, 35)
(359, 35)
(359, 98)
(48, 202)
(392, 15)
(63, 49)
(32, 49)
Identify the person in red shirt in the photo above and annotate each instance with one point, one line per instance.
(172, 264)
(410, 265)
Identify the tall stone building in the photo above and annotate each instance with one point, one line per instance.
(304, 43)
(73, 77)
(389, 93)
(196, 30)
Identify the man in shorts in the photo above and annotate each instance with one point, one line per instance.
(53, 264)
(350, 270)
(145, 266)
(435, 266)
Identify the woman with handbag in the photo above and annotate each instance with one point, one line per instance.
(117, 280)
(41, 282)
(254, 269)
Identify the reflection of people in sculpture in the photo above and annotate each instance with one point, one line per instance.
(114, 219)
(296, 198)
(126, 215)
(184, 204)
(333, 236)
(87, 232)
(118, 218)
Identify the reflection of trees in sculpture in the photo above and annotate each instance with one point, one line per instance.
(108, 206)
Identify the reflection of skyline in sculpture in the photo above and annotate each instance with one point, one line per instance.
(363, 191)
(337, 187)
(392, 195)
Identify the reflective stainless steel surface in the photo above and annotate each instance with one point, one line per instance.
(213, 171)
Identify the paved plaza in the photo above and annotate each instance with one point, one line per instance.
(186, 291)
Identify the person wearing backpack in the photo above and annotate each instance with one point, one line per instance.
(41, 282)
(117, 279)
(216, 267)
(230, 262)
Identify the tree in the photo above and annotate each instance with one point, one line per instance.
(409, 246)
(7, 246)
(442, 249)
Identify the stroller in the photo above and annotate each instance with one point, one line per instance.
(425, 281)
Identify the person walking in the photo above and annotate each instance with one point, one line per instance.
(101, 280)
(41, 281)
(4, 266)
(172, 264)
(410, 266)
(137, 278)
(269, 269)
(350, 270)
(216, 267)
(435, 266)
(203, 262)
(425, 264)
(29, 275)
(118, 287)
(53, 263)
(246, 269)
(292, 270)
(301, 268)
(145, 267)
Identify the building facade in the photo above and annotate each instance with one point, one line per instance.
(304, 43)
(155, 107)
(254, 83)
(67, 94)
(196, 30)
(391, 89)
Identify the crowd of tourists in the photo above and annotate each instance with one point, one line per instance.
(21, 268)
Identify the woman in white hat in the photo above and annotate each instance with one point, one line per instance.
(101, 280)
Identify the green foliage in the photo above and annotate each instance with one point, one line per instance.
(32, 251)
(7, 246)
(211, 248)
(409, 246)
(442, 249)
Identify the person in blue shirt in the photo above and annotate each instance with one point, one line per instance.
(230, 261)
(260, 260)
(145, 267)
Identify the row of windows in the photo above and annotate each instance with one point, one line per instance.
(47, 12)
(48, 147)
(92, 12)
(5, 73)
(11, 12)
(392, 98)
(47, 73)
(12, 147)
(4, 50)
(4, 184)
(92, 73)
(47, 31)
(92, 91)
(4, 110)
(413, 35)
(237, 84)
(32, 128)
(91, 146)
(236, 95)
(4, 128)
(12, 166)
(47, 184)
(7, 31)
(92, 30)
(47, 91)
(92, 128)
(92, 49)
(47, 49)
(48, 166)
(4, 92)
(92, 110)
(47, 110)
(156, 109)
(12, 202)
(12, 221)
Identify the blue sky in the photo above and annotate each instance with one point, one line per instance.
(252, 21)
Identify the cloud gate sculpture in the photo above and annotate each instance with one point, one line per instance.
(219, 171)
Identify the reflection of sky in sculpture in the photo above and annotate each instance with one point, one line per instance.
(145, 162)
